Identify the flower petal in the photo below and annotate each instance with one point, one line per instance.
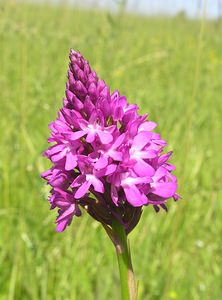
(58, 156)
(61, 226)
(116, 155)
(141, 140)
(102, 162)
(118, 142)
(105, 137)
(90, 137)
(136, 180)
(76, 135)
(164, 189)
(71, 161)
(54, 149)
(164, 157)
(82, 190)
(66, 213)
(143, 169)
(78, 181)
(97, 184)
(134, 197)
(82, 123)
(147, 126)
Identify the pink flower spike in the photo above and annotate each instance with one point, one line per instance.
(104, 150)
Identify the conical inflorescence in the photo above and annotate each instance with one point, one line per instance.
(106, 157)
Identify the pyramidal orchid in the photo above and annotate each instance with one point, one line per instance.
(106, 160)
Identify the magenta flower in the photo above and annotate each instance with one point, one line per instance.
(106, 157)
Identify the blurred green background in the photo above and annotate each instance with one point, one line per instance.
(172, 68)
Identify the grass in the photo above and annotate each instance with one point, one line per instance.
(172, 69)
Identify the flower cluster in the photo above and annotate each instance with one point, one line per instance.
(106, 157)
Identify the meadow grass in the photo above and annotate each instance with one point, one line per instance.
(172, 69)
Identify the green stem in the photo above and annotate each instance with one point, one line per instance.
(127, 281)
